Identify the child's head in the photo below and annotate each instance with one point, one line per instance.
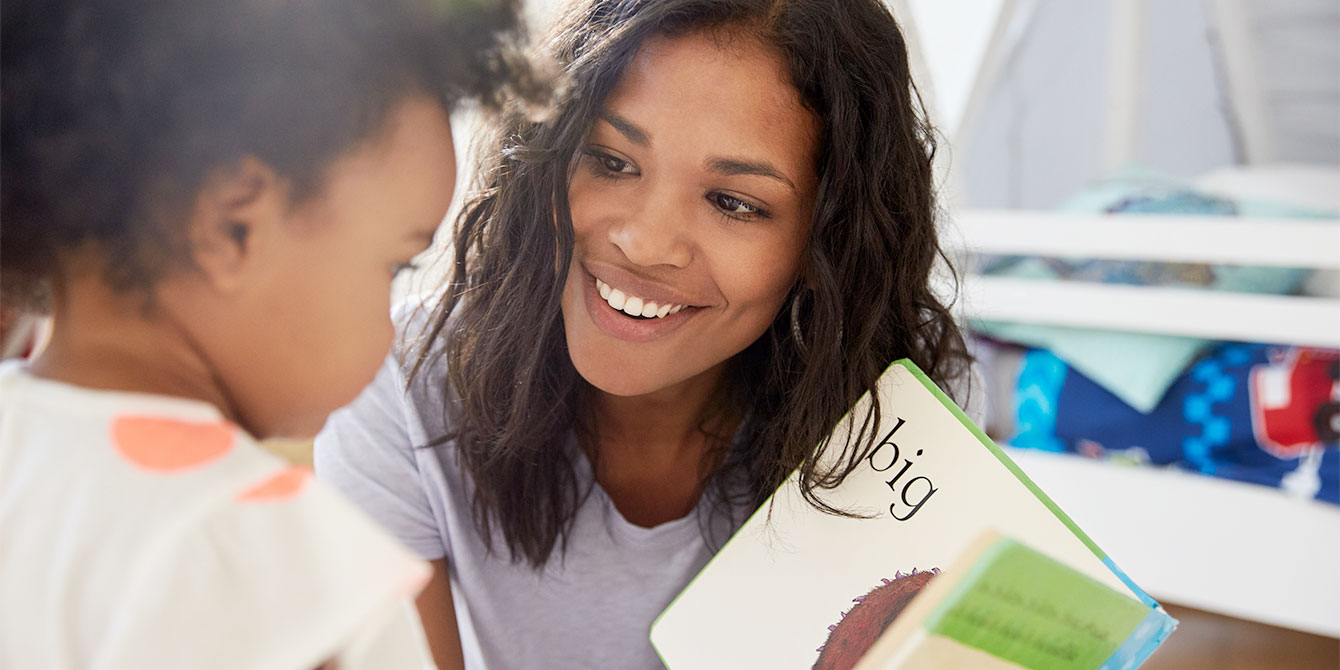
(764, 163)
(252, 173)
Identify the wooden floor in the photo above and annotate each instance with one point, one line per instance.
(1205, 641)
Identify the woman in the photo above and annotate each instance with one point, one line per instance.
(664, 297)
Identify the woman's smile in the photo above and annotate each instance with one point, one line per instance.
(636, 306)
(618, 324)
(623, 314)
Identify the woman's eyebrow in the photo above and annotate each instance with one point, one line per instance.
(627, 128)
(737, 166)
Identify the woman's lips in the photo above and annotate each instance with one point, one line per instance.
(619, 324)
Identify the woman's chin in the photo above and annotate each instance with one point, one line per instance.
(618, 376)
(617, 380)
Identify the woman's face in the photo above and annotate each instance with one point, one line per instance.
(690, 203)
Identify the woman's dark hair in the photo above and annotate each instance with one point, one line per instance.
(864, 297)
(115, 111)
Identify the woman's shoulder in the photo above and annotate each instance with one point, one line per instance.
(419, 349)
(415, 318)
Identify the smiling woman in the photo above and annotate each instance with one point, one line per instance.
(664, 297)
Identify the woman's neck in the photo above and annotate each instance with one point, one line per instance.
(651, 451)
(666, 422)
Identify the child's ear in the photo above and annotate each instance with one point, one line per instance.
(234, 210)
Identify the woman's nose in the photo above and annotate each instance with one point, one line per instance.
(658, 233)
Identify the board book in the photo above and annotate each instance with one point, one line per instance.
(797, 588)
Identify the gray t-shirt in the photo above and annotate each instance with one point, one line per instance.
(591, 607)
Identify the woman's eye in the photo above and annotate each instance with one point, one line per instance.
(614, 164)
(735, 207)
(610, 165)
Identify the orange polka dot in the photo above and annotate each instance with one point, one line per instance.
(168, 445)
(286, 484)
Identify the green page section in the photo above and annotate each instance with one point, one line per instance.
(1024, 607)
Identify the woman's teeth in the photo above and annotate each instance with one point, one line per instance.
(633, 305)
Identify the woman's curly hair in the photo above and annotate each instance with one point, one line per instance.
(113, 112)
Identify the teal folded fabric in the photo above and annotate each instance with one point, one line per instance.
(1136, 367)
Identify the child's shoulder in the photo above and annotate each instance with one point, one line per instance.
(150, 446)
(198, 540)
(171, 465)
(282, 561)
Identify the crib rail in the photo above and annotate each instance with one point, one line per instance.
(1223, 315)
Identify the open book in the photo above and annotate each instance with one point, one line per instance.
(797, 588)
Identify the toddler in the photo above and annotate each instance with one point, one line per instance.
(213, 198)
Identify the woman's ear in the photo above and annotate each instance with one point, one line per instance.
(234, 212)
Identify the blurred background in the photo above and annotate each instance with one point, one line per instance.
(1070, 92)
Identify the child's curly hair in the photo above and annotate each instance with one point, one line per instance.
(115, 111)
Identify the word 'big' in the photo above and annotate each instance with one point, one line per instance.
(879, 464)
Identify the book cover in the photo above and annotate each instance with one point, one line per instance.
(796, 588)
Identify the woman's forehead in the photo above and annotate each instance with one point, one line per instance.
(709, 89)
